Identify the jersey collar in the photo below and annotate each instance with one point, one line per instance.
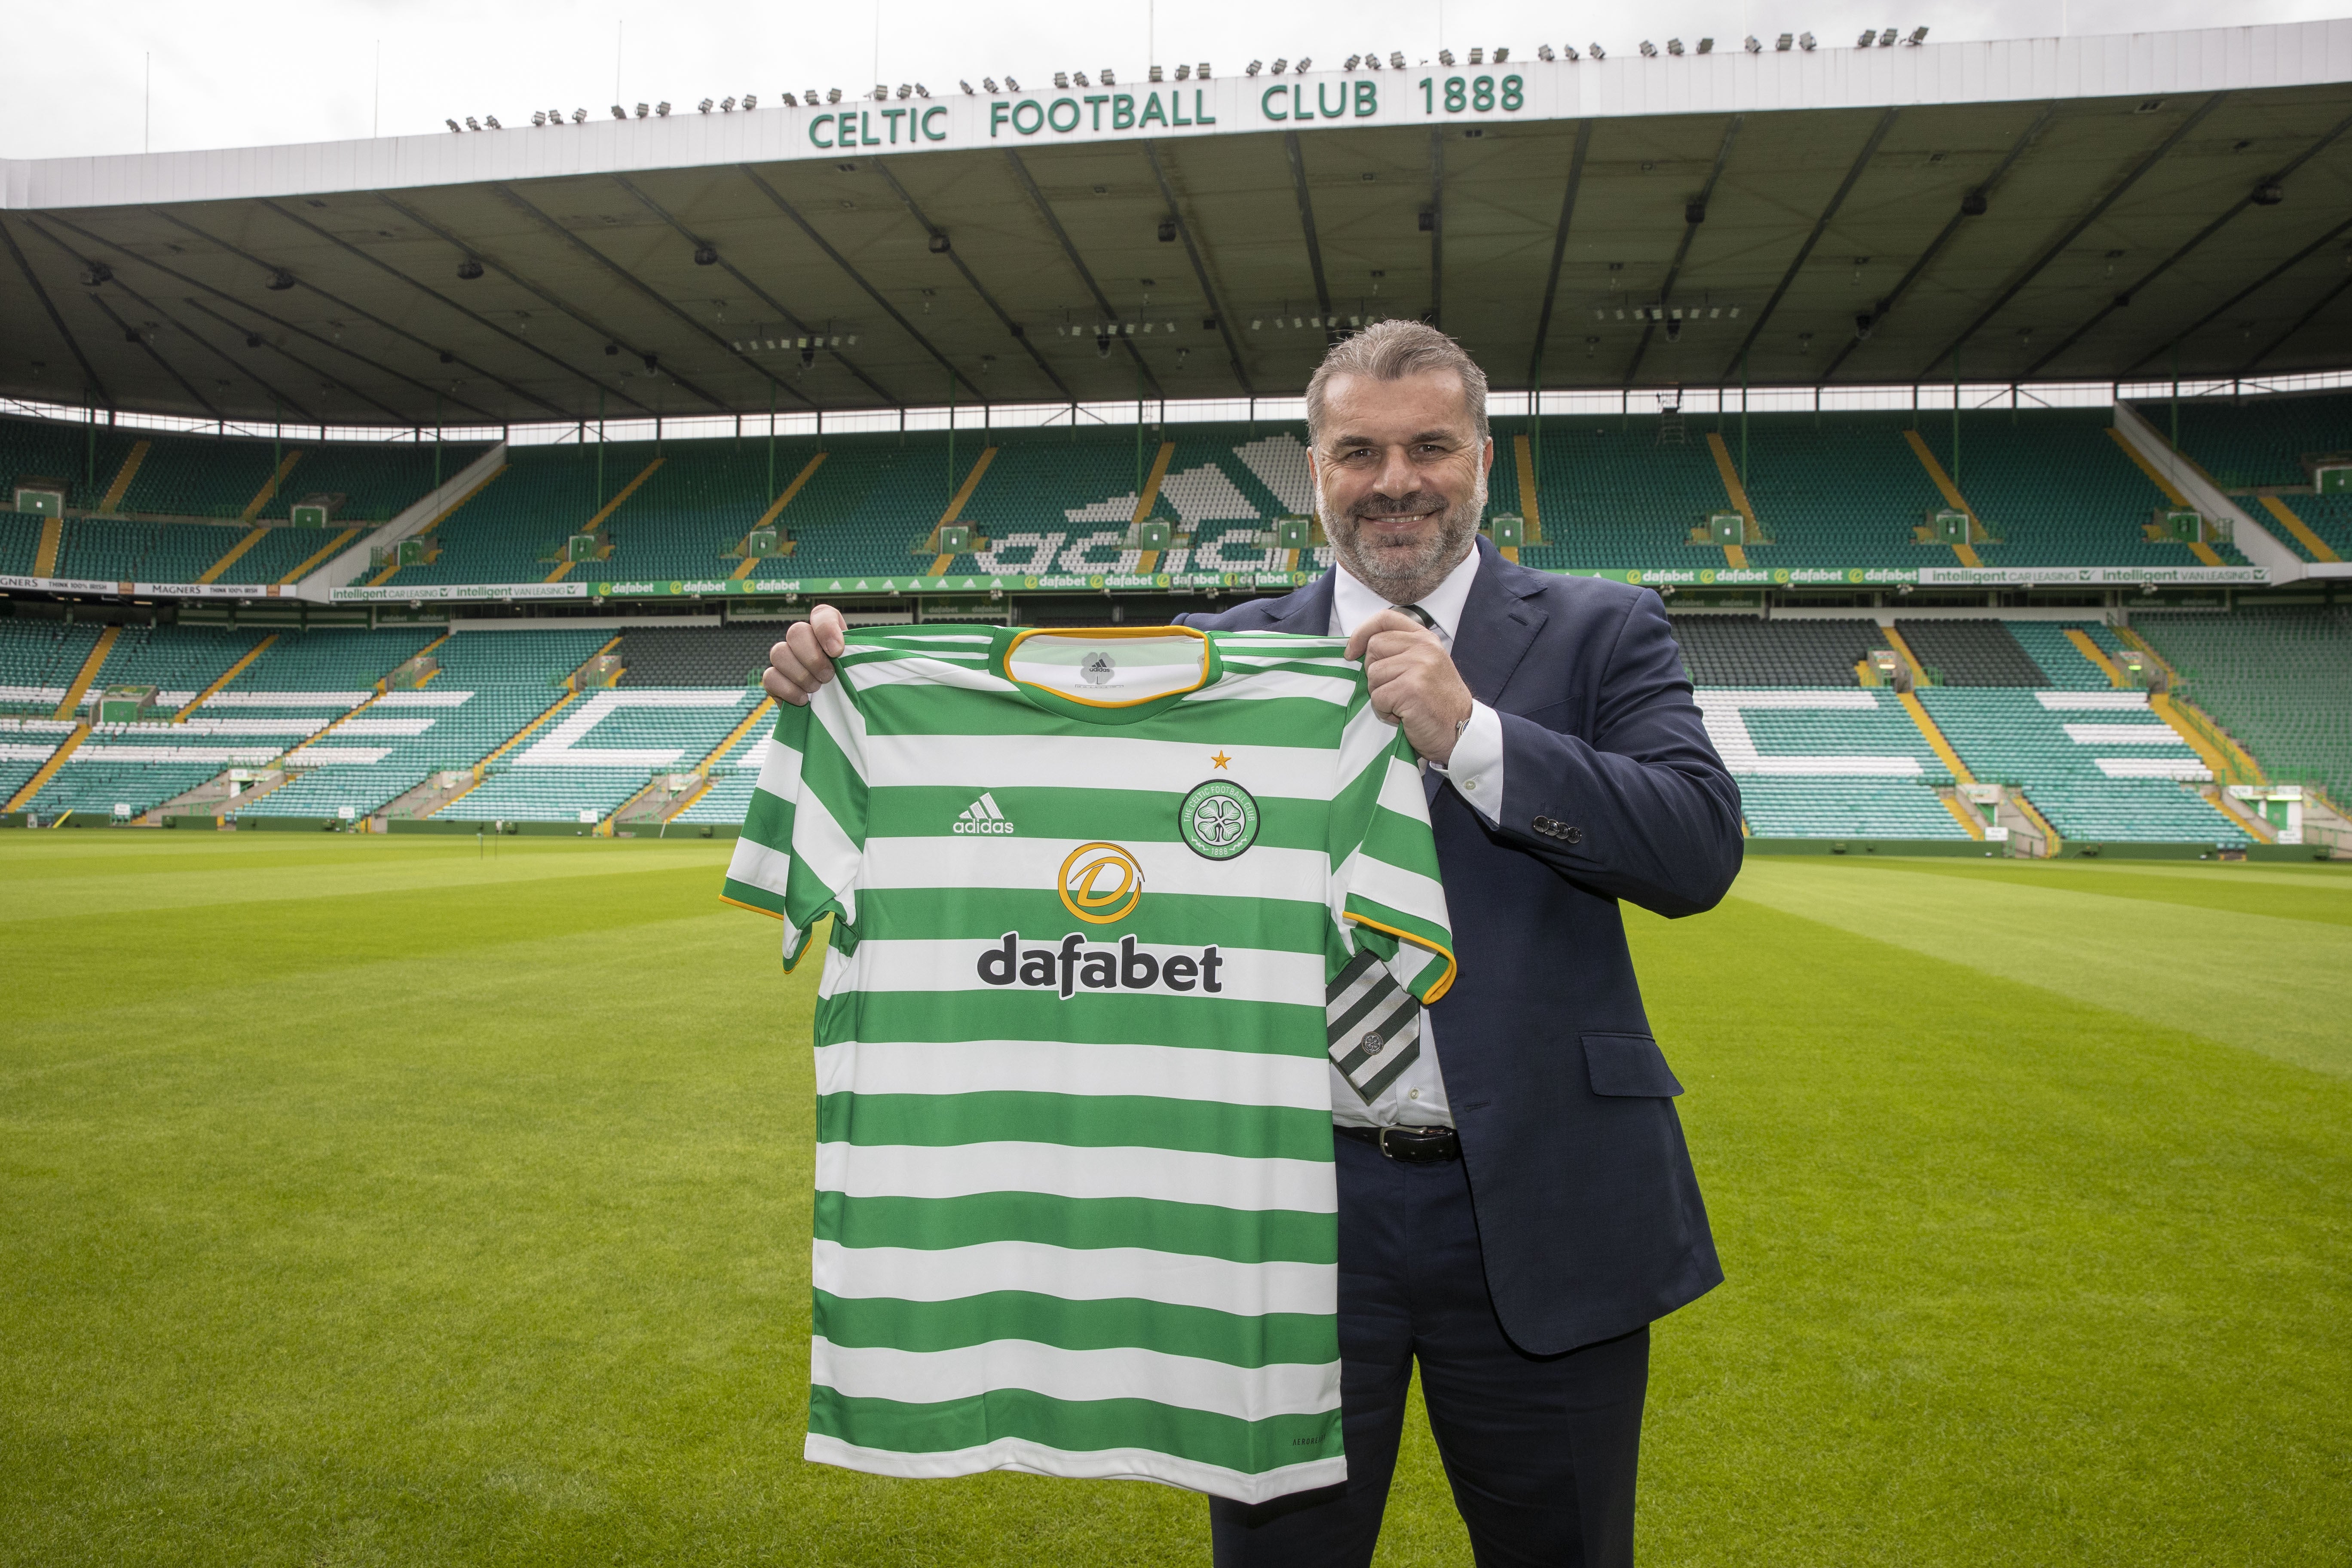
(1098, 712)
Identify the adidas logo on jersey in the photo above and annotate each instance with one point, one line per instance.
(982, 817)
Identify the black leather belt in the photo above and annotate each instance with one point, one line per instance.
(1412, 1145)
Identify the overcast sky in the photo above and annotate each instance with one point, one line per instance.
(232, 73)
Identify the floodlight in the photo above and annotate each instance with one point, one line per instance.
(662, 108)
(492, 122)
(1694, 213)
(1568, 53)
(1805, 41)
(1706, 46)
(653, 363)
(1868, 33)
(1780, 44)
(1080, 78)
(2268, 194)
(579, 117)
(1886, 39)
(1253, 68)
(750, 100)
(988, 83)
(704, 255)
(1649, 50)
(706, 105)
(1478, 56)
(1168, 231)
(940, 242)
(727, 104)
(1502, 57)
(967, 87)
(130, 335)
(1596, 51)
(906, 90)
(1674, 330)
(1543, 53)
(281, 279)
(472, 123)
(1154, 74)
(1202, 71)
(1353, 62)
(538, 117)
(1062, 80)
(1861, 325)
(832, 95)
(455, 126)
(791, 102)
(1102, 346)
(1918, 36)
(1183, 73)
(96, 273)
(620, 113)
(1445, 57)
(1973, 204)
(1674, 47)
(644, 110)
(469, 269)
(1303, 63)
(1396, 59)
(808, 358)
(1280, 65)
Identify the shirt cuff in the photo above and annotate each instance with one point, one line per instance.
(1476, 768)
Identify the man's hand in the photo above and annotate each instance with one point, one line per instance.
(803, 660)
(1413, 681)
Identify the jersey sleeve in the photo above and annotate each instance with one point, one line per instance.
(803, 836)
(1385, 896)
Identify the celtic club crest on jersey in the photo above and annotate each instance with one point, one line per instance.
(1218, 820)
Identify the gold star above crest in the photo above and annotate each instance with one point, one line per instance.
(1220, 760)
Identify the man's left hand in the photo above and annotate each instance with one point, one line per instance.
(1413, 681)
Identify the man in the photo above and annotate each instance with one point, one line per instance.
(1518, 1206)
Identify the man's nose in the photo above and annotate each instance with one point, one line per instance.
(1398, 477)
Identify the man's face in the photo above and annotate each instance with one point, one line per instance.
(1399, 477)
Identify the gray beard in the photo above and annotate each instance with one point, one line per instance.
(1412, 581)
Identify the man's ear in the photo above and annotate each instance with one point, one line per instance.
(1486, 465)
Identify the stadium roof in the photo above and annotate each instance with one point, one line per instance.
(2152, 202)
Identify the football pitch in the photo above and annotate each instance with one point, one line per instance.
(371, 1200)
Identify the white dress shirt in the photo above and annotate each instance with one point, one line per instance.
(1417, 1097)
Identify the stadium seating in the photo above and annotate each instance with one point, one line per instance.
(1970, 653)
(2098, 765)
(179, 661)
(697, 655)
(2280, 680)
(1828, 763)
(1847, 491)
(2061, 664)
(1745, 650)
(602, 749)
(38, 661)
(1612, 496)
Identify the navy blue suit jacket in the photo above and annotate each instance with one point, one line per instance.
(1588, 1213)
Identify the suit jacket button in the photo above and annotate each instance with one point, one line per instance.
(1543, 825)
(1572, 834)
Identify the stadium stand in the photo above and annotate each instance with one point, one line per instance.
(1611, 496)
(2265, 445)
(601, 751)
(179, 661)
(1848, 491)
(697, 655)
(1828, 763)
(729, 795)
(1970, 653)
(2279, 680)
(2098, 765)
(2051, 646)
(39, 660)
(1746, 650)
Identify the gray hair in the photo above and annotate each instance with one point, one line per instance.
(1390, 351)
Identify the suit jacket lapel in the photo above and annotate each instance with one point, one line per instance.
(1308, 612)
(1497, 627)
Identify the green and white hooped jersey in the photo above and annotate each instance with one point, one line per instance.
(1109, 906)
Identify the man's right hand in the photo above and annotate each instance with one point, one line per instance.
(803, 660)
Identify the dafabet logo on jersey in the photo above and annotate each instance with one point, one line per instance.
(1100, 884)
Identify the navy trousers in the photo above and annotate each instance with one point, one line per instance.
(1540, 1451)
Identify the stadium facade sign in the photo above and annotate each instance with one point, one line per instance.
(1622, 86)
(82, 587)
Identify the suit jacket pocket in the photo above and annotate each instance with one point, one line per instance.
(1629, 1065)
